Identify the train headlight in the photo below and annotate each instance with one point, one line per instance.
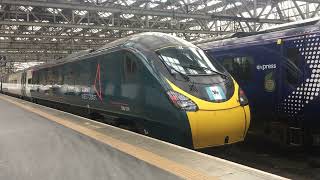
(243, 100)
(182, 101)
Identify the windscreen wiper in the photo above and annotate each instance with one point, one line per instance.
(203, 68)
(186, 77)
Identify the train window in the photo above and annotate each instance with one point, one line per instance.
(60, 75)
(29, 81)
(130, 66)
(68, 74)
(228, 64)
(82, 74)
(35, 77)
(291, 66)
(239, 67)
(52, 76)
(293, 55)
(43, 76)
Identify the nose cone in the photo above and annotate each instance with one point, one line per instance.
(214, 128)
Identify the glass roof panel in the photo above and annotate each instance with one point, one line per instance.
(104, 14)
(213, 2)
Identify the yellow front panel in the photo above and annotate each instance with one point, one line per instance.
(213, 122)
(210, 128)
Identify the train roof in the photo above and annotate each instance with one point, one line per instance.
(295, 24)
(276, 32)
(149, 40)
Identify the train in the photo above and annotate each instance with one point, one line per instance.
(279, 69)
(154, 83)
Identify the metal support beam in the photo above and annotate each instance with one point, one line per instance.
(18, 23)
(121, 10)
(299, 10)
(245, 19)
(90, 7)
(56, 37)
(315, 11)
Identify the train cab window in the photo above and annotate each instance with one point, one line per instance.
(239, 67)
(291, 66)
(130, 66)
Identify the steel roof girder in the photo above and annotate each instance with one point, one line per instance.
(108, 27)
(90, 7)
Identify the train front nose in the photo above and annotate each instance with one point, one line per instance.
(222, 115)
(215, 128)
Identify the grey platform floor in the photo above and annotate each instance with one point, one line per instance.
(32, 147)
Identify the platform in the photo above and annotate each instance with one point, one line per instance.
(38, 142)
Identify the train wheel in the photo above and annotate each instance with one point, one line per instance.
(314, 161)
(96, 117)
(139, 128)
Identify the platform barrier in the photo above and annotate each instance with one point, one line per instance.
(61, 145)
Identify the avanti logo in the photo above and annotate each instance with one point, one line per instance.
(266, 66)
(97, 83)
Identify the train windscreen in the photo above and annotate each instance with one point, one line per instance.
(189, 61)
(201, 77)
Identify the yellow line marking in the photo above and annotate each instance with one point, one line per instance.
(144, 155)
(92, 125)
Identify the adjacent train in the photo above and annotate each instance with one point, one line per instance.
(158, 84)
(279, 69)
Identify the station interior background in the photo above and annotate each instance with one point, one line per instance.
(35, 32)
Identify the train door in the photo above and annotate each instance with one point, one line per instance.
(28, 85)
(23, 83)
(1, 84)
(292, 90)
(131, 83)
(264, 92)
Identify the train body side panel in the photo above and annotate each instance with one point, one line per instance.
(116, 85)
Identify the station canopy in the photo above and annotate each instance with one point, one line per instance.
(37, 31)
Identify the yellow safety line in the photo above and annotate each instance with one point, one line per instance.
(142, 154)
